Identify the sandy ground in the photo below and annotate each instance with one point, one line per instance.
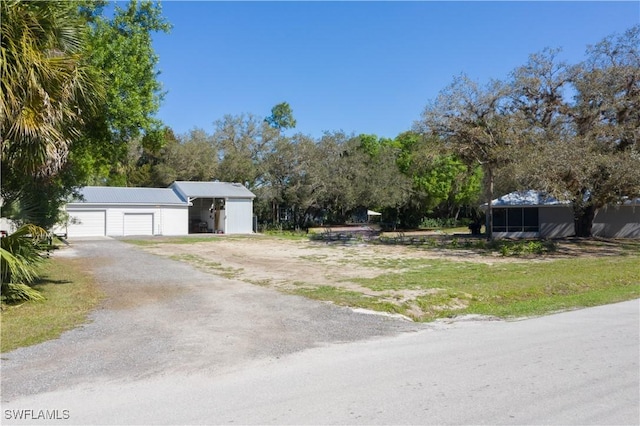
(302, 264)
(283, 263)
(294, 264)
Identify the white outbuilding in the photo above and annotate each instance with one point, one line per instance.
(117, 212)
(219, 207)
(183, 208)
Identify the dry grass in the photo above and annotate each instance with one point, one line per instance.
(430, 278)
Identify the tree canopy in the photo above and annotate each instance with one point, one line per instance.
(48, 88)
(281, 117)
(121, 47)
(80, 92)
(582, 148)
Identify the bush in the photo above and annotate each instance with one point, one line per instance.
(449, 222)
(517, 248)
(21, 253)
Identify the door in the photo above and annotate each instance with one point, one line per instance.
(88, 223)
(138, 224)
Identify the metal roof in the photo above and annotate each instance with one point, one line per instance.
(212, 190)
(534, 198)
(527, 198)
(119, 195)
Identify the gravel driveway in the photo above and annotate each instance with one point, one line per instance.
(162, 317)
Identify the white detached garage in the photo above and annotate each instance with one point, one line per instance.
(117, 212)
(183, 208)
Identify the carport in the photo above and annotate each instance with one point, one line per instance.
(218, 207)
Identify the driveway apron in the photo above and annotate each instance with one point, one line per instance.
(162, 316)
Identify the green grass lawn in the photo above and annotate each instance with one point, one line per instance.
(71, 295)
(505, 290)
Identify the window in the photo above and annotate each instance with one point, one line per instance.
(499, 220)
(530, 220)
(514, 220)
(517, 219)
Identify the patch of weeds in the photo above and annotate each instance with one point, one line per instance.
(443, 304)
(348, 298)
(315, 257)
(142, 243)
(262, 283)
(401, 263)
(289, 235)
(630, 246)
(467, 244)
(522, 247)
(171, 240)
(202, 263)
(479, 244)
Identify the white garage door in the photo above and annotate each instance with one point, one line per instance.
(86, 223)
(138, 224)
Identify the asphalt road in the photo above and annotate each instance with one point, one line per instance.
(300, 364)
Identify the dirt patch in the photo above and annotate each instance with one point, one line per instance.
(136, 297)
(273, 262)
(123, 294)
(286, 263)
(304, 266)
(297, 264)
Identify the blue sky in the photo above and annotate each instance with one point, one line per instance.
(359, 67)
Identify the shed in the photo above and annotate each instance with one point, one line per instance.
(533, 214)
(219, 207)
(116, 211)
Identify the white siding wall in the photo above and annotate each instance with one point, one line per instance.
(239, 212)
(166, 220)
(139, 223)
(174, 221)
(115, 222)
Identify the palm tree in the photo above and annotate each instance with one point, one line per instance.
(47, 87)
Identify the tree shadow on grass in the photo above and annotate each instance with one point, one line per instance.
(597, 247)
(45, 281)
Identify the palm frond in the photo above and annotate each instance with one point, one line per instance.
(20, 255)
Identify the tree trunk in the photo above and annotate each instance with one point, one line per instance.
(489, 225)
(583, 220)
(273, 211)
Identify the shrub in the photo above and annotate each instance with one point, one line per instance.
(430, 222)
(517, 248)
(21, 253)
